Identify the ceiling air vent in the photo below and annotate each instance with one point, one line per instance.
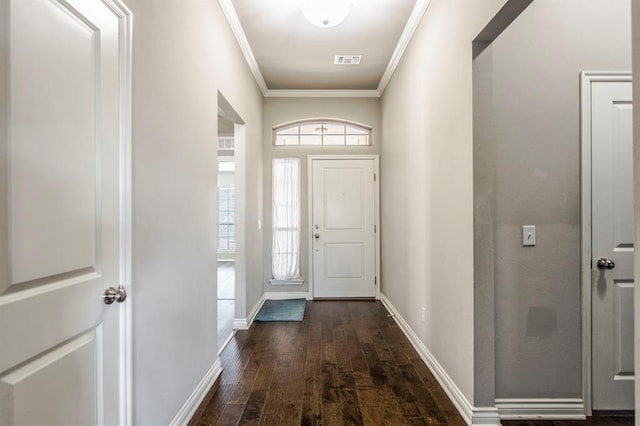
(347, 59)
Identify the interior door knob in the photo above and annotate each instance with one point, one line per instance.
(604, 263)
(316, 236)
(114, 295)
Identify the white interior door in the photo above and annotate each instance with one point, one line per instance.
(343, 234)
(63, 208)
(612, 246)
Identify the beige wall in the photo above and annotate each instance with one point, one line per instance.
(427, 184)
(183, 54)
(283, 110)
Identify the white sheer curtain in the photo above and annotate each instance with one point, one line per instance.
(285, 251)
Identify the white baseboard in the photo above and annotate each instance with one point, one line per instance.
(240, 324)
(541, 408)
(486, 416)
(284, 295)
(296, 281)
(245, 323)
(226, 342)
(472, 415)
(197, 396)
(453, 392)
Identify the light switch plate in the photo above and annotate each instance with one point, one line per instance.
(528, 235)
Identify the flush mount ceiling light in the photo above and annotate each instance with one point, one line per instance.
(325, 13)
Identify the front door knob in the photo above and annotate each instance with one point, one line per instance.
(604, 263)
(114, 295)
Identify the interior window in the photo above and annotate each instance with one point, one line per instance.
(226, 218)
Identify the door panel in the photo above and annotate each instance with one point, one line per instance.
(623, 327)
(64, 240)
(343, 207)
(52, 138)
(339, 260)
(72, 364)
(343, 220)
(612, 238)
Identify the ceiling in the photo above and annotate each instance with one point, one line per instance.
(290, 57)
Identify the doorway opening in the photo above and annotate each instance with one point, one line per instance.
(230, 223)
(226, 229)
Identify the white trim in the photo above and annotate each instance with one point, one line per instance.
(245, 323)
(541, 408)
(234, 22)
(376, 215)
(410, 28)
(320, 93)
(417, 13)
(472, 415)
(221, 254)
(240, 324)
(295, 281)
(190, 406)
(586, 78)
(287, 295)
(240, 181)
(125, 30)
(226, 342)
(485, 416)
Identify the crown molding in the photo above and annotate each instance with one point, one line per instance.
(417, 13)
(234, 22)
(317, 93)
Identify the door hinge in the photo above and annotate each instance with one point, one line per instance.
(375, 280)
(374, 177)
(375, 228)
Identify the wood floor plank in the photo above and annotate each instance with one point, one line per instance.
(346, 363)
(230, 414)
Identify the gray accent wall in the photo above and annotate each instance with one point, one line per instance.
(278, 111)
(483, 227)
(183, 54)
(529, 146)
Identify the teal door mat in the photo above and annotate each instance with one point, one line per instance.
(282, 310)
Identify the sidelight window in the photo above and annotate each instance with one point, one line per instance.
(285, 253)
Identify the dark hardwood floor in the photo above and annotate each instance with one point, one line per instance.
(347, 363)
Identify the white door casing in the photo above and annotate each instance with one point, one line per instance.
(343, 214)
(65, 212)
(607, 121)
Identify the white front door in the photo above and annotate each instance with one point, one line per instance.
(63, 211)
(343, 228)
(612, 245)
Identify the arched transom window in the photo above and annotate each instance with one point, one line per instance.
(322, 132)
